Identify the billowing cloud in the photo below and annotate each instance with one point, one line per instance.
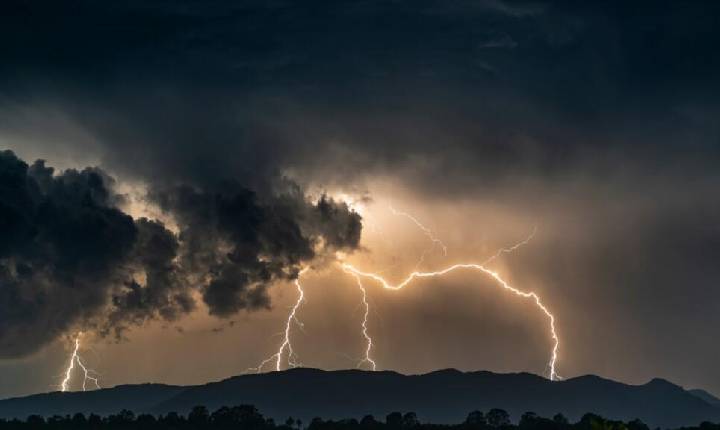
(244, 241)
(69, 257)
(62, 245)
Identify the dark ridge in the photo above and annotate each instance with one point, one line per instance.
(103, 402)
(443, 396)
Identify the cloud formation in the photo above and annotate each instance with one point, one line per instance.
(70, 258)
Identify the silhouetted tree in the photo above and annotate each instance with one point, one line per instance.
(410, 420)
(35, 422)
(560, 419)
(316, 424)
(705, 425)
(54, 422)
(590, 422)
(79, 421)
(199, 417)
(531, 421)
(171, 421)
(369, 422)
(247, 417)
(95, 422)
(475, 419)
(528, 420)
(636, 424)
(222, 418)
(145, 422)
(498, 418)
(394, 420)
(348, 424)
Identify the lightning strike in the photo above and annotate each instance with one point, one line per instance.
(435, 242)
(87, 373)
(368, 340)
(528, 295)
(286, 345)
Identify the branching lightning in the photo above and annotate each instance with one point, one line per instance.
(528, 295)
(286, 344)
(435, 242)
(87, 372)
(348, 268)
(286, 347)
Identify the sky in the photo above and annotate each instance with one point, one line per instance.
(167, 170)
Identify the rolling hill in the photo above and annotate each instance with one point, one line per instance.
(444, 396)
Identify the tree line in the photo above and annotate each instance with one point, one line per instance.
(248, 417)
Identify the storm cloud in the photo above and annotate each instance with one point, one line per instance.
(505, 90)
(69, 258)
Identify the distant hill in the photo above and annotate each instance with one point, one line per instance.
(102, 402)
(444, 396)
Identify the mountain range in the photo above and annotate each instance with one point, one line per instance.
(444, 396)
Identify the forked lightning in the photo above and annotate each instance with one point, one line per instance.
(87, 373)
(529, 295)
(286, 344)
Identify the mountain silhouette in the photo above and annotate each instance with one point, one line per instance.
(444, 396)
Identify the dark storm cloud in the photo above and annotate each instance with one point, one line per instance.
(245, 241)
(165, 293)
(498, 88)
(69, 257)
(62, 243)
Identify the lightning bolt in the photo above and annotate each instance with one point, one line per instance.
(368, 340)
(435, 241)
(88, 373)
(286, 344)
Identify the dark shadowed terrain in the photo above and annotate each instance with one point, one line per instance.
(444, 396)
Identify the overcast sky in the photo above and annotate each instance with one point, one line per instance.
(187, 148)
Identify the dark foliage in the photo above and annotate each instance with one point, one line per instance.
(248, 417)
